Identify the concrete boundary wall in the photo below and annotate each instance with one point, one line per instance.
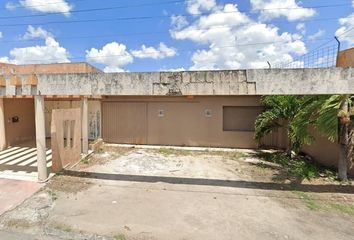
(207, 83)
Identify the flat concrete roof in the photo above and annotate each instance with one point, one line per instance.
(217, 83)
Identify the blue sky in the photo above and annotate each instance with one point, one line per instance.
(154, 35)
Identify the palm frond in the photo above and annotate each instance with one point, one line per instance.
(327, 116)
(266, 122)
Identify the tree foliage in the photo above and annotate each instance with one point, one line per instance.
(320, 112)
(330, 115)
(280, 111)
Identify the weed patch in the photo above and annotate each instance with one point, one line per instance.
(325, 204)
(17, 223)
(310, 202)
(343, 208)
(53, 195)
(233, 155)
(297, 167)
(120, 237)
(63, 227)
(168, 151)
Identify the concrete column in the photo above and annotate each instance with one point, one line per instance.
(40, 138)
(84, 124)
(2, 126)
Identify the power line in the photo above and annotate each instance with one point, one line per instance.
(157, 32)
(133, 18)
(148, 17)
(38, 5)
(160, 3)
(95, 9)
(124, 34)
(153, 4)
(314, 50)
(302, 7)
(338, 36)
(54, 3)
(89, 36)
(180, 50)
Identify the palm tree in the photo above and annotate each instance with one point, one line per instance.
(331, 116)
(279, 112)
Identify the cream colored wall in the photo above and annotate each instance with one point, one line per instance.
(49, 106)
(23, 130)
(324, 151)
(94, 130)
(184, 121)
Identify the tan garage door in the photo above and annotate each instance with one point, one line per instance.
(124, 122)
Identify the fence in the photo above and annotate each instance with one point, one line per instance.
(321, 57)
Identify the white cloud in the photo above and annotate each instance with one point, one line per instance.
(178, 21)
(11, 6)
(4, 60)
(155, 53)
(38, 32)
(1, 36)
(301, 27)
(114, 55)
(290, 9)
(230, 40)
(317, 35)
(198, 6)
(47, 6)
(346, 32)
(50, 52)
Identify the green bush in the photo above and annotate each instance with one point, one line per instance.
(297, 167)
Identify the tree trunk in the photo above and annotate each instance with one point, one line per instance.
(289, 147)
(343, 163)
(343, 142)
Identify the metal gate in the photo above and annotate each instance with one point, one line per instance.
(124, 122)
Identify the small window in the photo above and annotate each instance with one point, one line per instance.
(240, 118)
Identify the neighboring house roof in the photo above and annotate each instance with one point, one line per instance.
(54, 68)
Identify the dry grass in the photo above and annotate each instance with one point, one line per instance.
(68, 184)
(17, 223)
(234, 155)
(106, 154)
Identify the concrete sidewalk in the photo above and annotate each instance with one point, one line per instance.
(14, 192)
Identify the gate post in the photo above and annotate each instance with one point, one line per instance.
(84, 125)
(40, 138)
(2, 126)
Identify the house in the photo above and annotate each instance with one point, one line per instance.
(201, 108)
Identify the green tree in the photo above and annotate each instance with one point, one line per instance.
(331, 116)
(279, 112)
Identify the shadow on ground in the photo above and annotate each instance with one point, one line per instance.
(215, 182)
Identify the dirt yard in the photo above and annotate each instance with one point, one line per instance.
(131, 193)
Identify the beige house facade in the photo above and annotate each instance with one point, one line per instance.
(204, 108)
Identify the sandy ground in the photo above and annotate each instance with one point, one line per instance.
(152, 194)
